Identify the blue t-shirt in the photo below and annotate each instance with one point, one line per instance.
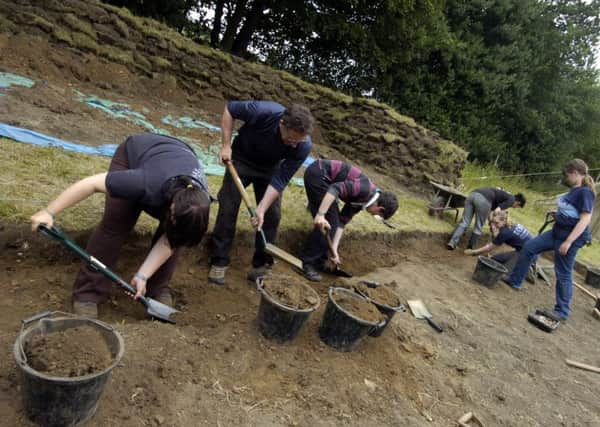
(570, 208)
(515, 236)
(259, 142)
(153, 160)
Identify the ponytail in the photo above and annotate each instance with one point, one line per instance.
(187, 222)
(588, 181)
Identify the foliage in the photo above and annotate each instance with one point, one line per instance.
(510, 80)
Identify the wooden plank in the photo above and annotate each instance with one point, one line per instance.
(283, 255)
(582, 366)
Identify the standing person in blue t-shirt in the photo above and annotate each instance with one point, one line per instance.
(504, 232)
(570, 232)
(268, 150)
(153, 173)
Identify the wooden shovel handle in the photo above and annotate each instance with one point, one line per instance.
(585, 291)
(240, 186)
(582, 366)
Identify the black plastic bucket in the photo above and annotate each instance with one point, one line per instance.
(488, 272)
(592, 277)
(340, 329)
(60, 401)
(278, 321)
(388, 312)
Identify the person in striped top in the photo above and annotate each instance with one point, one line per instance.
(326, 182)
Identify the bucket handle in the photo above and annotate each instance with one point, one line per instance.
(45, 314)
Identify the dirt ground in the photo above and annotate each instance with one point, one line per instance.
(213, 367)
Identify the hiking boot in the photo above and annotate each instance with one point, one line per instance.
(216, 275)
(85, 309)
(310, 273)
(256, 272)
(165, 298)
(531, 275)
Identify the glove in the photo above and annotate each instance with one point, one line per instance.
(469, 251)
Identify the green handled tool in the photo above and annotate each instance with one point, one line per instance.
(155, 309)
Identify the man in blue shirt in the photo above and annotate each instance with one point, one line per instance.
(268, 150)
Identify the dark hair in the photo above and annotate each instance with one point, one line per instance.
(186, 223)
(389, 202)
(298, 118)
(580, 166)
(520, 199)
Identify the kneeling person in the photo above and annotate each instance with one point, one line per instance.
(326, 181)
(504, 232)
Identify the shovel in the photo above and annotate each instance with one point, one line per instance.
(336, 271)
(420, 312)
(269, 247)
(155, 309)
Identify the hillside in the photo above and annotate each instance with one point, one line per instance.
(87, 41)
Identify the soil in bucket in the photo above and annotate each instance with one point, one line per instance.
(70, 353)
(65, 363)
(348, 317)
(385, 299)
(285, 305)
(487, 271)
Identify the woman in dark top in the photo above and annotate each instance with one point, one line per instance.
(479, 203)
(570, 232)
(153, 173)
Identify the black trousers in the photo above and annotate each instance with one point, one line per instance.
(229, 206)
(315, 248)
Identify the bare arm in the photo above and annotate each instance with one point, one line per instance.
(158, 255)
(320, 220)
(482, 250)
(71, 196)
(271, 194)
(226, 132)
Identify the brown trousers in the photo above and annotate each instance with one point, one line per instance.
(119, 218)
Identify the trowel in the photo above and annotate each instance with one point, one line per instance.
(419, 310)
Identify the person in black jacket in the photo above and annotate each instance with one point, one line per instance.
(479, 203)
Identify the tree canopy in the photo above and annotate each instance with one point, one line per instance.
(512, 81)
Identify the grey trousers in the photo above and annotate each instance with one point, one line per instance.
(476, 204)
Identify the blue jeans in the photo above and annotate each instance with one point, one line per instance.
(475, 205)
(563, 267)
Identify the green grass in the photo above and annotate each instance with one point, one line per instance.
(31, 177)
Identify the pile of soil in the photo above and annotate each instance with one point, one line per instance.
(358, 307)
(70, 353)
(382, 294)
(291, 292)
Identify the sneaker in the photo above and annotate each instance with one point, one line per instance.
(310, 273)
(165, 298)
(216, 275)
(256, 272)
(506, 281)
(531, 275)
(450, 246)
(85, 309)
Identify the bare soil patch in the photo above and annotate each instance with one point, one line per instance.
(290, 292)
(70, 353)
